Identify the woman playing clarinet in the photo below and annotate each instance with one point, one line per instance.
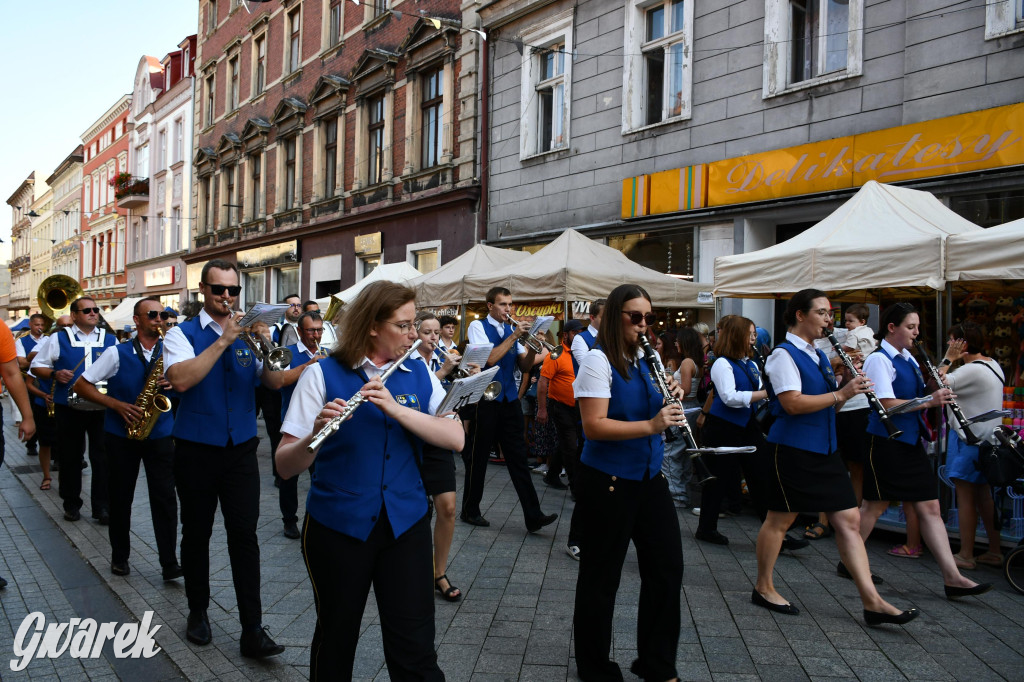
(898, 468)
(622, 495)
(366, 515)
(807, 472)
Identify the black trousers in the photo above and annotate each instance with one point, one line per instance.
(500, 422)
(342, 569)
(730, 469)
(269, 402)
(205, 475)
(71, 428)
(124, 457)
(570, 443)
(612, 511)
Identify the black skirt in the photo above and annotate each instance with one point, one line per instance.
(803, 481)
(852, 434)
(437, 470)
(897, 471)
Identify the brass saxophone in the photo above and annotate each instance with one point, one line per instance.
(151, 401)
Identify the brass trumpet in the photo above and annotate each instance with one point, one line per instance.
(275, 358)
(536, 343)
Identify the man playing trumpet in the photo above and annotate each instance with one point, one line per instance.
(127, 368)
(215, 453)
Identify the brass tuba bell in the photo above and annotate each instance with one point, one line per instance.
(55, 295)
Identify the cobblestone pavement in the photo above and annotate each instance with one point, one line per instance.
(515, 619)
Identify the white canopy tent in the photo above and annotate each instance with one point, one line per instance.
(392, 272)
(882, 237)
(446, 285)
(993, 254)
(122, 315)
(576, 268)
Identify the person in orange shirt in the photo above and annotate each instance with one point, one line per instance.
(11, 374)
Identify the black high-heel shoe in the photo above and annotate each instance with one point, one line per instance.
(758, 599)
(955, 592)
(876, 618)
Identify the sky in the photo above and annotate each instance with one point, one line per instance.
(65, 63)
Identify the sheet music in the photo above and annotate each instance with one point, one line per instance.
(467, 391)
(476, 353)
(541, 324)
(909, 405)
(265, 312)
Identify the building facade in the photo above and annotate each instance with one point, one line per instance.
(105, 172)
(679, 131)
(66, 182)
(329, 140)
(159, 201)
(23, 297)
(42, 241)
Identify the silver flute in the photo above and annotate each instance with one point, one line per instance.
(355, 401)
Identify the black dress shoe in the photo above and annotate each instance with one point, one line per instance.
(474, 520)
(72, 515)
(3, 583)
(197, 630)
(844, 572)
(537, 524)
(120, 568)
(257, 644)
(172, 572)
(876, 618)
(103, 518)
(757, 599)
(712, 536)
(291, 530)
(792, 543)
(556, 484)
(955, 592)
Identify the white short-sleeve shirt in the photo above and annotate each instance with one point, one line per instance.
(880, 370)
(109, 363)
(475, 332)
(594, 378)
(781, 368)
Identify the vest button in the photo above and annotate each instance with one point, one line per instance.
(373, 518)
(615, 478)
(384, 488)
(387, 456)
(611, 488)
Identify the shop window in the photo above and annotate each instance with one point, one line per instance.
(808, 42)
(990, 209)
(670, 252)
(365, 265)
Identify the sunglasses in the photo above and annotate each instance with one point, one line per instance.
(162, 314)
(218, 289)
(88, 311)
(638, 317)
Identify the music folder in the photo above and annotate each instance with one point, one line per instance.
(466, 391)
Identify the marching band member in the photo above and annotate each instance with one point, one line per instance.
(329, 337)
(438, 466)
(214, 372)
(25, 347)
(126, 368)
(286, 331)
(899, 468)
(304, 353)
(66, 357)
(622, 496)
(366, 514)
(447, 342)
(808, 472)
(501, 420)
(171, 320)
(586, 339)
(10, 374)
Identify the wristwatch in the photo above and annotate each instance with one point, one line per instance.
(946, 362)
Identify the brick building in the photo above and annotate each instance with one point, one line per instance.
(329, 140)
(105, 155)
(159, 201)
(681, 131)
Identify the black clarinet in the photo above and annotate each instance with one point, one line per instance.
(873, 400)
(953, 407)
(675, 432)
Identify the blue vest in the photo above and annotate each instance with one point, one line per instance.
(126, 385)
(371, 461)
(908, 384)
(589, 339)
(70, 358)
(635, 399)
(299, 357)
(507, 365)
(746, 375)
(222, 407)
(28, 343)
(816, 431)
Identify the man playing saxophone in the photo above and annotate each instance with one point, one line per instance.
(133, 371)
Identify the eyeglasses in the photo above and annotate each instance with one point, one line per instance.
(636, 317)
(314, 330)
(404, 327)
(294, 305)
(162, 314)
(824, 312)
(218, 289)
(87, 311)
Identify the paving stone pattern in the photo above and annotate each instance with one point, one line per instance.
(515, 620)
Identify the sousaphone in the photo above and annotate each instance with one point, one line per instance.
(55, 295)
